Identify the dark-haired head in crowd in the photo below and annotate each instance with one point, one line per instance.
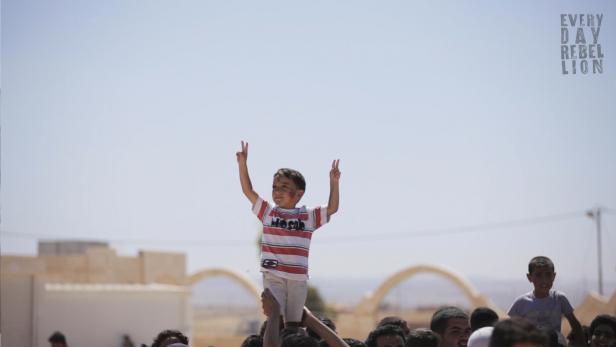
(386, 336)
(517, 332)
(544, 299)
(422, 338)
(602, 331)
(353, 342)
(483, 317)
(168, 337)
(298, 340)
(451, 324)
(397, 321)
(57, 339)
(253, 341)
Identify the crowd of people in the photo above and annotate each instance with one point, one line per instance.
(534, 321)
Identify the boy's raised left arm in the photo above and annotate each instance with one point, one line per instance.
(334, 191)
(576, 327)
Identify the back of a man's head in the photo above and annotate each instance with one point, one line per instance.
(57, 339)
(483, 317)
(397, 321)
(253, 341)
(441, 317)
(168, 337)
(516, 331)
(299, 340)
(385, 330)
(422, 337)
(353, 342)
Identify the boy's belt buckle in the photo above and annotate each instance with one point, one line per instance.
(269, 263)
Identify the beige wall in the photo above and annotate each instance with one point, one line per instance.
(16, 309)
(30, 314)
(102, 265)
(167, 268)
(106, 312)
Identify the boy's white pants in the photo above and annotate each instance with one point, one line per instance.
(290, 294)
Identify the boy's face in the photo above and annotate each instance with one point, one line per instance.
(285, 193)
(603, 336)
(542, 279)
(456, 333)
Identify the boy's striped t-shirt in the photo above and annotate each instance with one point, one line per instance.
(285, 243)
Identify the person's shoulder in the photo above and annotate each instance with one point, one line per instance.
(528, 296)
(558, 294)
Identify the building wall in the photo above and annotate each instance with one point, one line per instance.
(16, 309)
(167, 268)
(101, 265)
(29, 315)
(106, 313)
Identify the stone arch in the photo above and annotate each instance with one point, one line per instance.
(239, 279)
(370, 304)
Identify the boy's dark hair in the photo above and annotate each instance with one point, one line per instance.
(167, 337)
(353, 342)
(540, 261)
(515, 330)
(57, 337)
(294, 176)
(483, 317)
(253, 341)
(422, 337)
(384, 330)
(441, 317)
(397, 321)
(602, 319)
(349, 341)
(299, 340)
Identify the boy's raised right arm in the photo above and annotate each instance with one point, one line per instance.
(242, 157)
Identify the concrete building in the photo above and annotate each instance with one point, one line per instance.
(92, 295)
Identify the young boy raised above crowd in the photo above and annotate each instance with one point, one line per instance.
(287, 231)
(544, 307)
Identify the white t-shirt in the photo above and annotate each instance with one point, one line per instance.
(285, 244)
(546, 313)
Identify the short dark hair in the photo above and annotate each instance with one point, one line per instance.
(422, 337)
(299, 340)
(57, 337)
(397, 321)
(353, 342)
(441, 317)
(540, 261)
(515, 330)
(483, 317)
(253, 341)
(602, 319)
(384, 330)
(171, 336)
(349, 341)
(294, 176)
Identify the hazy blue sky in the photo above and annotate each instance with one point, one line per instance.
(121, 119)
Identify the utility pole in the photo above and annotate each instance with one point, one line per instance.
(595, 214)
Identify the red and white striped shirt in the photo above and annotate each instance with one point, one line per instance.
(285, 244)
